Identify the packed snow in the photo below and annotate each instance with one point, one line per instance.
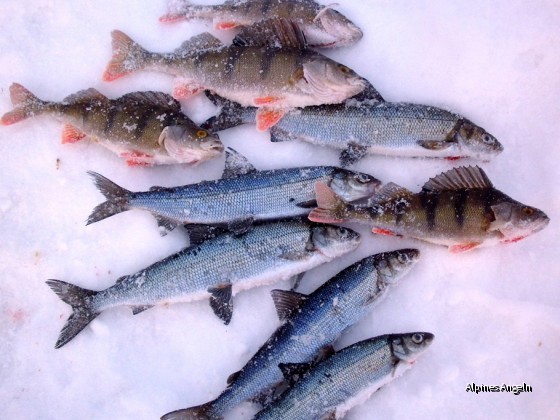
(495, 312)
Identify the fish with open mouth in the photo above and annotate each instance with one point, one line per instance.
(144, 128)
(459, 208)
(322, 26)
(216, 269)
(269, 67)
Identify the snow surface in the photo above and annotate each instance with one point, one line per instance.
(495, 311)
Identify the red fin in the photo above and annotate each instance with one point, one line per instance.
(25, 103)
(126, 53)
(455, 249)
(136, 158)
(324, 216)
(385, 232)
(14, 116)
(266, 100)
(186, 90)
(267, 118)
(172, 18)
(513, 240)
(226, 25)
(71, 134)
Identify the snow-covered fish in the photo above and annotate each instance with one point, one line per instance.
(216, 269)
(365, 127)
(268, 67)
(459, 208)
(348, 377)
(242, 196)
(144, 128)
(311, 323)
(323, 26)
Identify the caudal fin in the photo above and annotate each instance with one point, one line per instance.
(25, 105)
(128, 56)
(200, 412)
(330, 206)
(117, 199)
(78, 298)
(231, 114)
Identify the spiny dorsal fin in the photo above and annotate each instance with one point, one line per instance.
(86, 95)
(293, 372)
(236, 164)
(221, 301)
(458, 179)
(286, 302)
(274, 33)
(158, 99)
(203, 41)
(389, 192)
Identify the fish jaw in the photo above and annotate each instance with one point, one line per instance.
(515, 221)
(188, 145)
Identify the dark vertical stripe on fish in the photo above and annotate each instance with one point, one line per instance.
(266, 61)
(429, 202)
(85, 113)
(233, 58)
(113, 110)
(266, 7)
(142, 122)
(459, 204)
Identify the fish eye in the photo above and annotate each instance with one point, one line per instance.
(528, 211)
(402, 258)
(363, 178)
(487, 139)
(344, 69)
(417, 338)
(201, 134)
(343, 231)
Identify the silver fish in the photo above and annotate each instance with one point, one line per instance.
(242, 196)
(216, 269)
(323, 26)
(333, 386)
(311, 323)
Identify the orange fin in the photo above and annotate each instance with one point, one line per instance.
(26, 104)
(172, 18)
(71, 134)
(267, 100)
(320, 215)
(455, 249)
(186, 90)
(267, 118)
(385, 232)
(226, 25)
(127, 57)
(136, 158)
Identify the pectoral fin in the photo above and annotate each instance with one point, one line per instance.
(267, 118)
(434, 144)
(221, 301)
(353, 153)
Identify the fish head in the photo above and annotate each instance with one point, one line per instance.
(334, 241)
(332, 29)
(330, 82)
(352, 186)
(391, 266)
(407, 347)
(190, 144)
(516, 221)
(476, 141)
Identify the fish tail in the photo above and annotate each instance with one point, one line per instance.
(199, 412)
(117, 199)
(186, 11)
(25, 105)
(77, 298)
(330, 207)
(231, 114)
(128, 56)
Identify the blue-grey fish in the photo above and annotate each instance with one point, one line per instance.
(348, 377)
(311, 322)
(367, 126)
(242, 196)
(144, 128)
(216, 269)
(323, 26)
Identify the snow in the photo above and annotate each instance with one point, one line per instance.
(495, 311)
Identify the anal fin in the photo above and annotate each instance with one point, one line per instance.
(456, 249)
(221, 301)
(267, 118)
(71, 134)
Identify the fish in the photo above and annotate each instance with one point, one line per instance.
(323, 26)
(310, 323)
(459, 209)
(332, 387)
(216, 269)
(371, 126)
(242, 196)
(269, 67)
(144, 128)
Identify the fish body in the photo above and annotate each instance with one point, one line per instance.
(459, 208)
(358, 128)
(335, 385)
(311, 323)
(215, 269)
(322, 25)
(144, 128)
(235, 200)
(268, 67)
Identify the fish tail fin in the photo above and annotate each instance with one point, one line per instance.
(128, 56)
(230, 115)
(331, 208)
(77, 298)
(25, 105)
(117, 198)
(199, 412)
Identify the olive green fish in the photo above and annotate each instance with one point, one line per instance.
(459, 208)
(144, 128)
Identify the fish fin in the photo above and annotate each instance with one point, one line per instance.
(456, 249)
(286, 302)
(25, 105)
(296, 280)
(236, 164)
(226, 25)
(278, 135)
(71, 134)
(138, 309)
(434, 144)
(185, 89)
(324, 353)
(367, 97)
(117, 198)
(274, 33)
(331, 208)
(502, 214)
(293, 372)
(199, 412)
(221, 301)
(77, 298)
(137, 158)
(157, 99)
(459, 178)
(199, 233)
(128, 56)
(329, 415)
(85, 96)
(198, 43)
(385, 232)
(320, 215)
(157, 188)
(233, 377)
(184, 10)
(388, 192)
(267, 118)
(230, 115)
(165, 225)
(266, 396)
(239, 227)
(353, 153)
(309, 204)
(267, 100)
